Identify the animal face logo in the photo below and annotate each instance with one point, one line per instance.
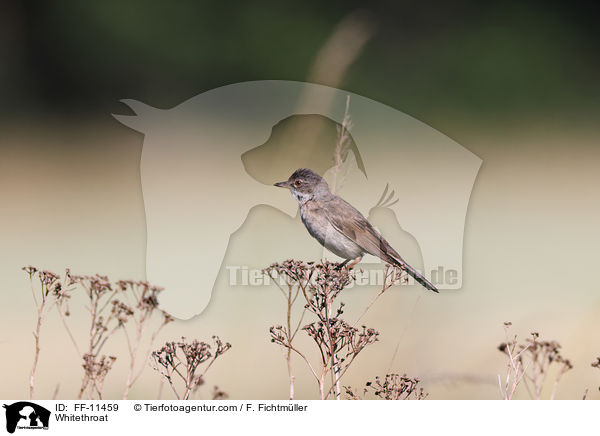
(210, 160)
(24, 414)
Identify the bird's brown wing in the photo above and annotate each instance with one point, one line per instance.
(352, 224)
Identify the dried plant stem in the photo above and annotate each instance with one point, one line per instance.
(174, 356)
(97, 289)
(55, 393)
(52, 292)
(170, 380)
(322, 386)
(132, 353)
(68, 330)
(328, 363)
(188, 386)
(288, 356)
(343, 372)
(401, 336)
(161, 384)
(562, 370)
(515, 372)
(341, 146)
(290, 294)
(147, 353)
(41, 306)
(554, 387)
(82, 389)
(335, 369)
(390, 387)
(107, 314)
(389, 274)
(36, 356)
(145, 301)
(312, 369)
(337, 342)
(531, 363)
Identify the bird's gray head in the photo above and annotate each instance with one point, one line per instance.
(305, 185)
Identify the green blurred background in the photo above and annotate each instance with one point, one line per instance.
(468, 59)
(514, 82)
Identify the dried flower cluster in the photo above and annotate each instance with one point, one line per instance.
(95, 371)
(145, 302)
(218, 394)
(531, 363)
(184, 359)
(392, 387)
(338, 342)
(51, 292)
(595, 364)
(294, 277)
(340, 339)
(111, 307)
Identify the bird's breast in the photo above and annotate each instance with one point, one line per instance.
(316, 222)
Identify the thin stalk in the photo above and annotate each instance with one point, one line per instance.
(132, 355)
(36, 355)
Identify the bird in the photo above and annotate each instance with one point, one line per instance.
(340, 227)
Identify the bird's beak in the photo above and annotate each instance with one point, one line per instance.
(282, 184)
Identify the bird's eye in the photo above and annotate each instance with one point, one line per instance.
(297, 183)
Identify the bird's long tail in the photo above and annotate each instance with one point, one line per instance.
(415, 274)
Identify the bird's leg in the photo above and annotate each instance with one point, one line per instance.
(354, 262)
(343, 264)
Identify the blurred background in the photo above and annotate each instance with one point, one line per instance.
(516, 83)
(433, 60)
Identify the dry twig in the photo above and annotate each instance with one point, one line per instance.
(338, 342)
(392, 387)
(530, 363)
(108, 311)
(184, 359)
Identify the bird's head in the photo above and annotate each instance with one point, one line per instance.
(305, 185)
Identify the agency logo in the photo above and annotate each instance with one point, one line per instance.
(209, 162)
(27, 416)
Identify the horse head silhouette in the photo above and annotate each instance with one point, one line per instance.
(206, 162)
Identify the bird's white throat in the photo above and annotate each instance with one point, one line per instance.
(301, 197)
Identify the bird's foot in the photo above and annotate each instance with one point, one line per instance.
(340, 266)
(352, 263)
